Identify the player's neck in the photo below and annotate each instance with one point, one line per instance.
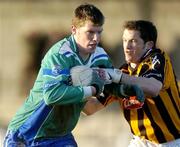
(84, 56)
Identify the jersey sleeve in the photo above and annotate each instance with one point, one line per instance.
(57, 88)
(154, 67)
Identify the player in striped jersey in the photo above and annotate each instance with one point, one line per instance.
(157, 122)
(53, 106)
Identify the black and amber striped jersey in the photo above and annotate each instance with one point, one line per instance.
(159, 119)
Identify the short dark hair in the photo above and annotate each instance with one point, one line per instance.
(147, 29)
(87, 12)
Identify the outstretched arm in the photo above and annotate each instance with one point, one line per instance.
(150, 86)
(120, 91)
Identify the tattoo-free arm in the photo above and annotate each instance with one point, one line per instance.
(150, 86)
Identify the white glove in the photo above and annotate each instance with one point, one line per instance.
(115, 74)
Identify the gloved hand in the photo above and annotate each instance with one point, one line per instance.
(132, 90)
(103, 74)
(97, 82)
(133, 96)
(125, 91)
(132, 103)
(85, 76)
(115, 74)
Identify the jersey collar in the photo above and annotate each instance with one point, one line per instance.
(73, 44)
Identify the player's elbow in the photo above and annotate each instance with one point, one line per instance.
(48, 99)
(154, 92)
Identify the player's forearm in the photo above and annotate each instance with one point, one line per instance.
(92, 106)
(64, 95)
(150, 86)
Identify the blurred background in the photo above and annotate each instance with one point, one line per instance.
(29, 27)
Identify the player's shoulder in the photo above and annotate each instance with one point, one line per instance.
(100, 53)
(61, 48)
(57, 51)
(153, 55)
(157, 53)
(159, 56)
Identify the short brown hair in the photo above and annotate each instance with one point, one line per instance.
(147, 29)
(87, 12)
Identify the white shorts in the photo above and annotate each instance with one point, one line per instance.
(138, 142)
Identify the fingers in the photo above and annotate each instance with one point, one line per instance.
(132, 103)
(103, 75)
(115, 74)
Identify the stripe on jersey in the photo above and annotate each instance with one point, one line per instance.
(157, 129)
(31, 126)
(67, 54)
(55, 72)
(166, 117)
(99, 58)
(173, 102)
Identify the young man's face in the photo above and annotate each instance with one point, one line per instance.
(87, 37)
(134, 46)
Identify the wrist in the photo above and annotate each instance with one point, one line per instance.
(118, 75)
(94, 91)
(88, 92)
(115, 74)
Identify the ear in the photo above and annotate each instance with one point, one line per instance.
(149, 44)
(73, 29)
